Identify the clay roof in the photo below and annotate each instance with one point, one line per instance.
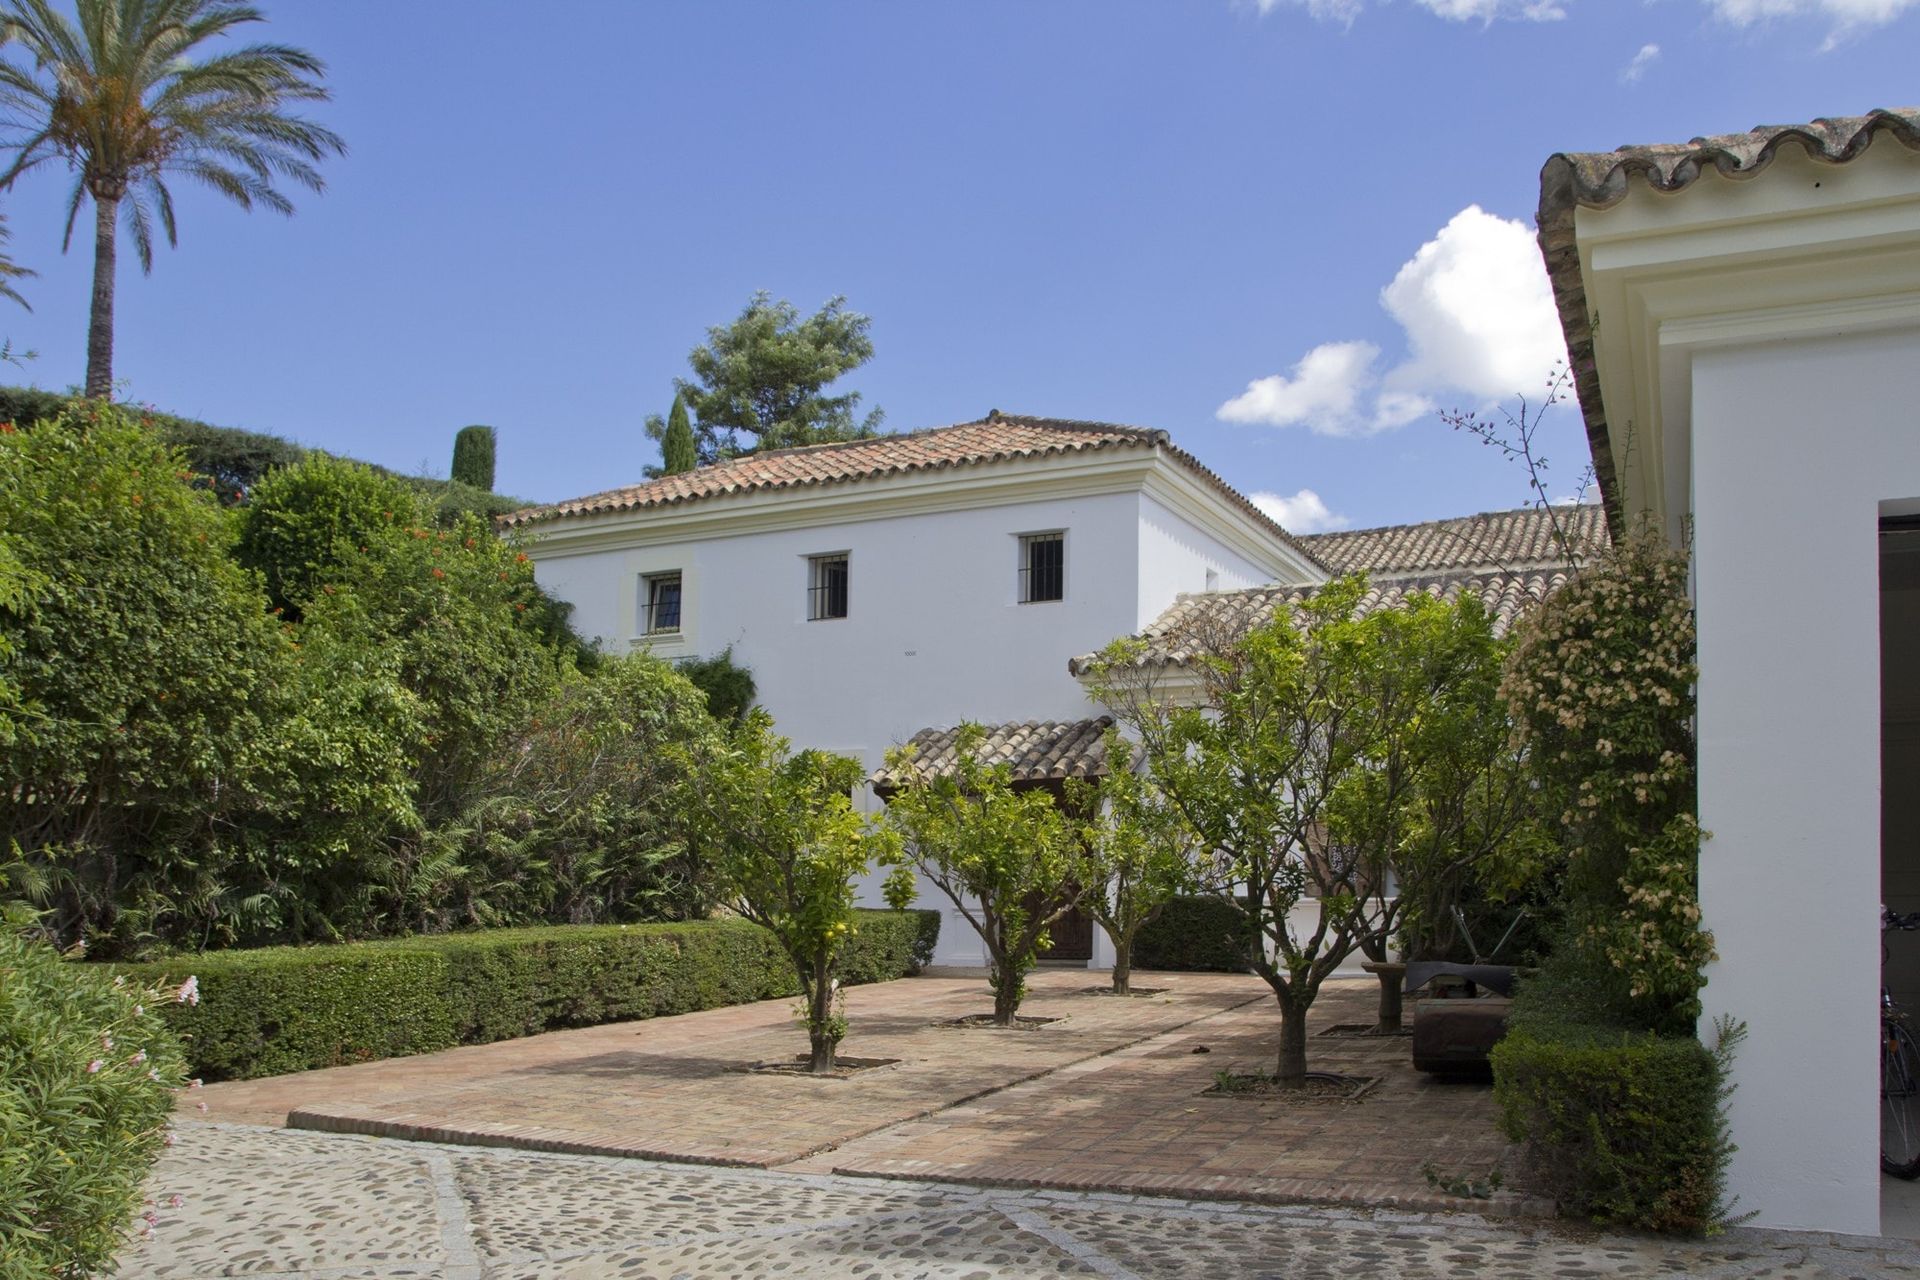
(1491, 542)
(1035, 750)
(1208, 622)
(1598, 179)
(996, 438)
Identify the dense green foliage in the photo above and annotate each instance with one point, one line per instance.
(131, 93)
(760, 382)
(147, 663)
(1622, 1126)
(87, 1074)
(273, 1010)
(405, 736)
(787, 845)
(728, 685)
(1190, 934)
(473, 454)
(677, 450)
(579, 815)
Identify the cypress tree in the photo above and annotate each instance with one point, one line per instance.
(676, 447)
(473, 457)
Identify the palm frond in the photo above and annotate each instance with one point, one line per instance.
(74, 198)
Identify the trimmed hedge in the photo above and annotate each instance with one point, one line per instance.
(1195, 935)
(278, 1009)
(1621, 1126)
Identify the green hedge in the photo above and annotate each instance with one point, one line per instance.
(1620, 1126)
(1195, 934)
(279, 1009)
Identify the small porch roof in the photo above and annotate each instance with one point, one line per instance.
(1036, 751)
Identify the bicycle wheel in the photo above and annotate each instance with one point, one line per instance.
(1899, 1101)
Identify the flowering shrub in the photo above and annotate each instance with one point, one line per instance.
(1600, 685)
(87, 1077)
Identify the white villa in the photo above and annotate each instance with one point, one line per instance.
(887, 590)
(1743, 318)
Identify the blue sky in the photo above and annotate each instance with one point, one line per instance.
(1154, 213)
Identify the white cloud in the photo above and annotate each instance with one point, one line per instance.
(1480, 325)
(1304, 512)
(1648, 55)
(1847, 16)
(1323, 391)
(1345, 11)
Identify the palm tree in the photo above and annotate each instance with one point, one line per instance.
(116, 96)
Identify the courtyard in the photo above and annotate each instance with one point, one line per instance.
(1087, 1146)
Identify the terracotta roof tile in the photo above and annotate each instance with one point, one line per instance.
(1035, 750)
(1202, 623)
(997, 438)
(1595, 180)
(1491, 542)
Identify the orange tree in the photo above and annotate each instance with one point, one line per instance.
(1004, 858)
(785, 845)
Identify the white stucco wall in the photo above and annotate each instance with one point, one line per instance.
(1176, 558)
(1795, 445)
(935, 633)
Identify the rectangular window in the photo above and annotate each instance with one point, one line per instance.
(1043, 567)
(662, 604)
(826, 587)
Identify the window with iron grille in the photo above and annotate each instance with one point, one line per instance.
(1043, 567)
(826, 587)
(662, 606)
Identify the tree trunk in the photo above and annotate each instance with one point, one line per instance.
(1122, 968)
(1006, 997)
(106, 211)
(821, 1036)
(1291, 1069)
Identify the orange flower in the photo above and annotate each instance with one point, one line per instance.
(439, 573)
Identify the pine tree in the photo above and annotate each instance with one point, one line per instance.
(473, 457)
(676, 447)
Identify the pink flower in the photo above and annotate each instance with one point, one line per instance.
(153, 1074)
(189, 992)
(201, 1105)
(139, 1009)
(139, 1056)
(106, 1042)
(173, 1201)
(167, 1138)
(194, 1083)
(94, 1066)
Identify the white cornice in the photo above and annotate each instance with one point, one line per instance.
(1176, 487)
(1800, 251)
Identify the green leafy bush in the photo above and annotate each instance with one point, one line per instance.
(1600, 686)
(1195, 934)
(274, 1010)
(148, 658)
(87, 1073)
(1621, 1126)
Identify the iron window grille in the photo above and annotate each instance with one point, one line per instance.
(663, 604)
(1043, 567)
(826, 587)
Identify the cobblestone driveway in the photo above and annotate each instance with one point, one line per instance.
(271, 1203)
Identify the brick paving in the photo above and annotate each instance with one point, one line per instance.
(1141, 1121)
(1109, 1097)
(673, 1088)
